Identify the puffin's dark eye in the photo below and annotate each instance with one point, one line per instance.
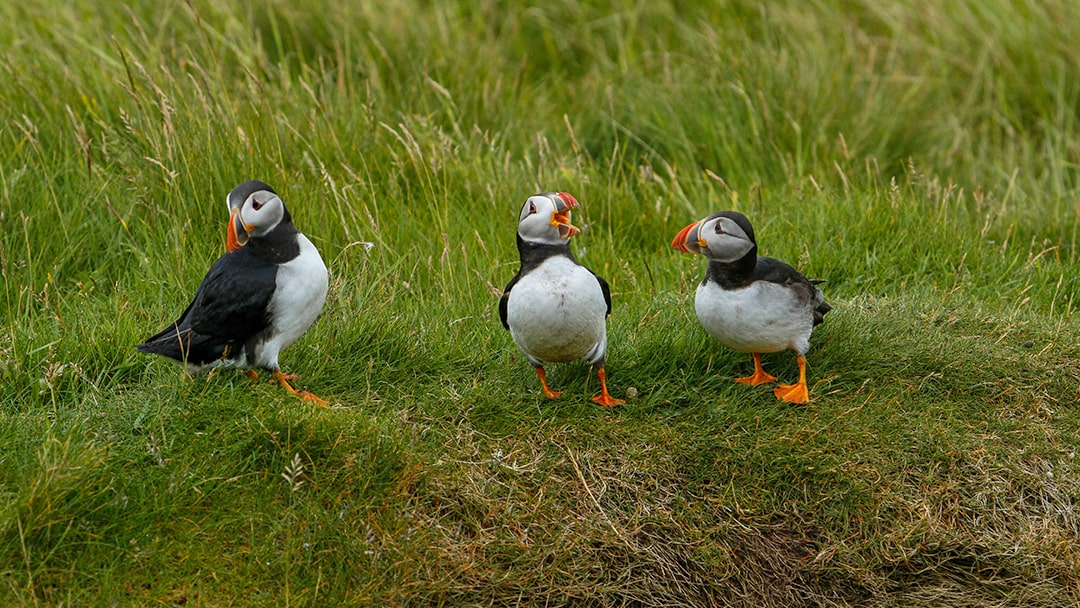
(532, 208)
(719, 228)
(255, 204)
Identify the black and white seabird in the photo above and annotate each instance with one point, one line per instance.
(749, 303)
(555, 308)
(257, 298)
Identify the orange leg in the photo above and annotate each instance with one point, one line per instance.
(795, 393)
(254, 375)
(306, 396)
(760, 376)
(604, 398)
(550, 394)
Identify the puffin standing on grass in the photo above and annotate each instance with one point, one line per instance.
(555, 308)
(256, 299)
(749, 303)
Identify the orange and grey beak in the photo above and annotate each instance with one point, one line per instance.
(689, 239)
(564, 202)
(238, 234)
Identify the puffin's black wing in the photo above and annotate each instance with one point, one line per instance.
(506, 298)
(775, 271)
(229, 308)
(604, 288)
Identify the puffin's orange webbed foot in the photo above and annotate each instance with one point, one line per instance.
(306, 396)
(282, 380)
(798, 392)
(792, 393)
(604, 398)
(760, 376)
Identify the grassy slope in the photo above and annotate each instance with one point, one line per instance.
(922, 160)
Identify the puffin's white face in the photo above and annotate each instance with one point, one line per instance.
(260, 213)
(545, 218)
(719, 238)
(724, 239)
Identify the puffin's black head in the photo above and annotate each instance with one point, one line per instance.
(255, 210)
(545, 218)
(240, 193)
(725, 237)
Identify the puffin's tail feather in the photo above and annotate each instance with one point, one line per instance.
(819, 313)
(183, 345)
(822, 307)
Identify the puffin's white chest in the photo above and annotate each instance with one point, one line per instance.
(762, 317)
(557, 313)
(298, 299)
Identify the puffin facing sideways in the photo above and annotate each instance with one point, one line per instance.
(257, 298)
(749, 303)
(555, 308)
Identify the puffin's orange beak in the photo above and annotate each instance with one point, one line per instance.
(238, 235)
(564, 202)
(688, 240)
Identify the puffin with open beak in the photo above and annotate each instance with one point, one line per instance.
(237, 235)
(555, 308)
(749, 303)
(257, 298)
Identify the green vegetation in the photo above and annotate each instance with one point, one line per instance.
(923, 158)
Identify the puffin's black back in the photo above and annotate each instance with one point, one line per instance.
(229, 309)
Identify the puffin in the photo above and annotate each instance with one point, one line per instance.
(257, 298)
(555, 308)
(752, 303)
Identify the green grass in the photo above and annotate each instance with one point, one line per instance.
(922, 158)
